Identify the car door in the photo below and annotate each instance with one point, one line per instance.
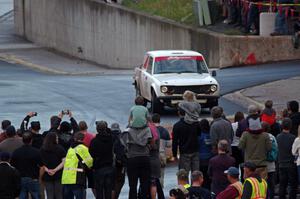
(147, 78)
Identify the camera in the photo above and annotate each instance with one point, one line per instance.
(35, 114)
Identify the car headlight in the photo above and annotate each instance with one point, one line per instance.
(164, 89)
(213, 88)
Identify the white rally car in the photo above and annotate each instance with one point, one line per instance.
(165, 75)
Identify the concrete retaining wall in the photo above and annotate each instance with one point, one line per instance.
(114, 36)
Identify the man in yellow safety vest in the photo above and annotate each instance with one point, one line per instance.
(78, 159)
(254, 186)
(235, 189)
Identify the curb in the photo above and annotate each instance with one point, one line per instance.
(14, 59)
(44, 69)
(6, 14)
(243, 100)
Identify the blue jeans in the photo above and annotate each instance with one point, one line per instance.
(281, 23)
(29, 185)
(73, 190)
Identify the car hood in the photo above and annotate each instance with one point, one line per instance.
(185, 79)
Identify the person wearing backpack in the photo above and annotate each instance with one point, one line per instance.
(271, 158)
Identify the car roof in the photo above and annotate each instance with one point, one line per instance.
(159, 53)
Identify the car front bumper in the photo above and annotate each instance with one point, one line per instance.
(204, 100)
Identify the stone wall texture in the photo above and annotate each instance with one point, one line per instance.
(114, 36)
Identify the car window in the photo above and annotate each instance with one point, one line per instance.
(146, 61)
(180, 65)
(150, 63)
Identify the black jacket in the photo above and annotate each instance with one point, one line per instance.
(186, 137)
(295, 117)
(10, 182)
(37, 139)
(101, 149)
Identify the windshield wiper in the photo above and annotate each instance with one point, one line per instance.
(179, 72)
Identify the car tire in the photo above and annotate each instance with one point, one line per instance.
(156, 106)
(216, 103)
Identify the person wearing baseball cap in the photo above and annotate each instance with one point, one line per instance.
(234, 190)
(254, 185)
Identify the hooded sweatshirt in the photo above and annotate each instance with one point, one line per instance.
(255, 143)
(101, 149)
(192, 111)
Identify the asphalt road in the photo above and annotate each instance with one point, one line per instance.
(108, 97)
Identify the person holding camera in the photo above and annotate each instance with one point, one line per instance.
(66, 130)
(35, 127)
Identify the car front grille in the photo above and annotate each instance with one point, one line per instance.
(204, 89)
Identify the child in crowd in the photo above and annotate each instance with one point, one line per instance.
(191, 107)
(139, 114)
(269, 114)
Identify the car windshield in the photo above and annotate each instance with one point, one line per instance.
(190, 64)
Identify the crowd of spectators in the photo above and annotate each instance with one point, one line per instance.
(245, 14)
(221, 159)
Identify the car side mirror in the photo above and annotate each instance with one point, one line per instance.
(214, 73)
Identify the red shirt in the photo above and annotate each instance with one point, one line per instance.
(2, 137)
(229, 193)
(88, 138)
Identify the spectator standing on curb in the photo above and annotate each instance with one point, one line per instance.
(4, 125)
(28, 162)
(195, 190)
(53, 157)
(10, 181)
(220, 129)
(101, 150)
(77, 161)
(205, 152)
(120, 160)
(254, 186)
(35, 127)
(286, 161)
(185, 136)
(294, 115)
(216, 167)
(256, 144)
(296, 152)
(12, 142)
(235, 189)
(165, 142)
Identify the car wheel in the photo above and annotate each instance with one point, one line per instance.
(156, 106)
(215, 103)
